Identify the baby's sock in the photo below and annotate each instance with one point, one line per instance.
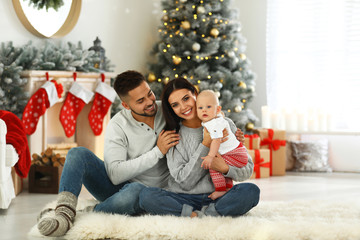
(61, 222)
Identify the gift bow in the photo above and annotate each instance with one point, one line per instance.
(273, 143)
(259, 162)
(251, 138)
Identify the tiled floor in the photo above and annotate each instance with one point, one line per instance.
(16, 221)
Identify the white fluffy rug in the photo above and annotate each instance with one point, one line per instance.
(305, 219)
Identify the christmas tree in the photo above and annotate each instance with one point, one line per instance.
(201, 41)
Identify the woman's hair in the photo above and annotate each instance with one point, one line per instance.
(127, 81)
(173, 120)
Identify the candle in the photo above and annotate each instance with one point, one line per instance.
(291, 122)
(265, 117)
(275, 120)
(322, 118)
(302, 122)
(330, 122)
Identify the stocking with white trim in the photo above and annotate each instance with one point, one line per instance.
(75, 101)
(45, 97)
(104, 97)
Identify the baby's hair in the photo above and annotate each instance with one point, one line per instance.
(209, 92)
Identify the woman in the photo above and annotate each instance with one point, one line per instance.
(190, 186)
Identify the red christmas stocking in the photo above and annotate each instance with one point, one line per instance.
(75, 100)
(45, 97)
(104, 96)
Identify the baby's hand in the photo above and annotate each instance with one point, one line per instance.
(207, 162)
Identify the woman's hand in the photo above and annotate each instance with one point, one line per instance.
(218, 164)
(206, 138)
(240, 136)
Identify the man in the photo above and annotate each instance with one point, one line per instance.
(135, 145)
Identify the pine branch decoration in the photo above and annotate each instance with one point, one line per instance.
(40, 4)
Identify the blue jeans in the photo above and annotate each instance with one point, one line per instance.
(237, 201)
(84, 167)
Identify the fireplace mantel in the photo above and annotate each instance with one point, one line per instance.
(49, 129)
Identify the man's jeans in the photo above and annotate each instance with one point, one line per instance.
(237, 201)
(84, 167)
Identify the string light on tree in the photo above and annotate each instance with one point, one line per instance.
(242, 85)
(242, 56)
(176, 60)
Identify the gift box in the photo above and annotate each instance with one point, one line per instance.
(261, 159)
(252, 141)
(44, 179)
(275, 141)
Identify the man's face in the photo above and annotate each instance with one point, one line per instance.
(141, 101)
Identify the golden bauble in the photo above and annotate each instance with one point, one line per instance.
(176, 60)
(151, 77)
(249, 126)
(165, 18)
(237, 109)
(214, 32)
(185, 25)
(242, 84)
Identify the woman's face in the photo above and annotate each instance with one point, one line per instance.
(183, 102)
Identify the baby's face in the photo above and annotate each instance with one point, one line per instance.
(207, 108)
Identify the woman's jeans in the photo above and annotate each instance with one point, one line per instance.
(237, 201)
(84, 167)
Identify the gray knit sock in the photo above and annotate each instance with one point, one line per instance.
(58, 224)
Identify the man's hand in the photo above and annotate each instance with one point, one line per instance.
(207, 161)
(240, 136)
(166, 140)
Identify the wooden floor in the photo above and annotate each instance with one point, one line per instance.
(16, 221)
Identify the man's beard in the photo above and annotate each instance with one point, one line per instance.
(144, 114)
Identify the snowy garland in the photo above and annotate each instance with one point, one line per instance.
(13, 60)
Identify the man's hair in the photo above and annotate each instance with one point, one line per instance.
(127, 81)
(173, 120)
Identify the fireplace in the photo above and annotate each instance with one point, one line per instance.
(49, 131)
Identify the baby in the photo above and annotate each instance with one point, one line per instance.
(232, 151)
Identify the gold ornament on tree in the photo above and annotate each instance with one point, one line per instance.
(214, 32)
(151, 77)
(176, 60)
(238, 109)
(165, 18)
(185, 25)
(242, 56)
(249, 126)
